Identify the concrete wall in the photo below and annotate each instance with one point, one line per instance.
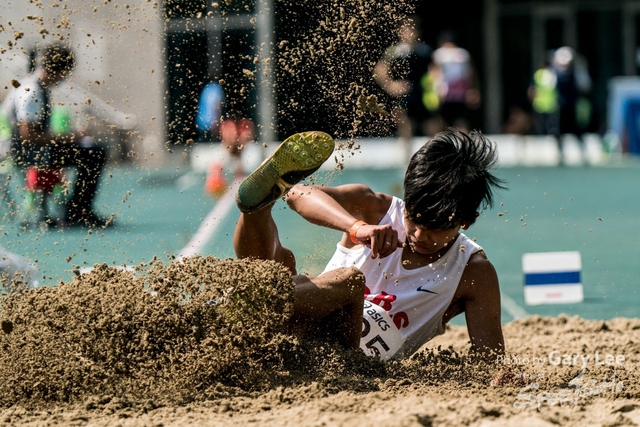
(119, 46)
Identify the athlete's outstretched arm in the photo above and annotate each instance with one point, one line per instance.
(339, 208)
(479, 284)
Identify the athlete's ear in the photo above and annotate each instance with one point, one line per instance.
(466, 225)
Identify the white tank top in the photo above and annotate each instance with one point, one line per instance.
(404, 308)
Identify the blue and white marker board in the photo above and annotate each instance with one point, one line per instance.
(552, 278)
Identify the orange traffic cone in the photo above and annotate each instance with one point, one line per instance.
(215, 184)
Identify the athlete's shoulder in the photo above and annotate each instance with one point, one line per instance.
(479, 258)
(361, 192)
(479, 270)
(353, 193)
(376, 201)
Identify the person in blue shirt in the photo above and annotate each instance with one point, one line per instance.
(210, 111)
(213, 125)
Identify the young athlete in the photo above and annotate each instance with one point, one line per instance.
(402, 269)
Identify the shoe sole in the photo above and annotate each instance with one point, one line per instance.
(296, 158)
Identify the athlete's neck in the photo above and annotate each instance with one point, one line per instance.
(412, 260)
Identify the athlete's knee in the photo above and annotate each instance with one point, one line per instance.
(352, 280)
(356, 276)
(285, 256)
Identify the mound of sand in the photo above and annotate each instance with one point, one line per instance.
(174, 330)
(200, 343)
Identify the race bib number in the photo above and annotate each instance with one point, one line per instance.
(380, 337)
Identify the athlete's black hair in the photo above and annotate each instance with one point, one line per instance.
(449, 179)
(57, 58)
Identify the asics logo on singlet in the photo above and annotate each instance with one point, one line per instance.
(426, 290)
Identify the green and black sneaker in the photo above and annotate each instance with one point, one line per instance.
(296, 158)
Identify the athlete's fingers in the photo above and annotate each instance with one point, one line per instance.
(394, 242)
(385, 243)
(391, 243)
(380, 240)
(373, 241)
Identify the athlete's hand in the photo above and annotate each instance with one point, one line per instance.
(382, 239)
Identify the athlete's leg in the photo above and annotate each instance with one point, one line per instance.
(256, 236)
(326, 306)
(330, 306)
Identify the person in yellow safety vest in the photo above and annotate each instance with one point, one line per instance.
(545, 99)
(543, 94)
(559, 95)
(430, 98)
(431, 101)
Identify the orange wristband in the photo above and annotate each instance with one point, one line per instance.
(354, 229)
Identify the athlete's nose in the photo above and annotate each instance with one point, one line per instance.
(423, 237)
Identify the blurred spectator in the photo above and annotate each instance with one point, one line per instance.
(36, 145)
(210, 111)
(559, 96)
(574, 85)
(543, 93)
(213, 126)
(456, 83)
(399, 73)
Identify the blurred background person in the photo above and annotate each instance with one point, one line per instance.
(214, 125)
(574, 86)
(36, 146)
(456, 82)
(543, 94)
(235, 135)
(559, 97)
(210, 111)
(399, 73)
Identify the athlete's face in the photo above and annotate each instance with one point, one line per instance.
(425, 241)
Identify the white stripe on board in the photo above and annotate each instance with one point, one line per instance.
(512, 307)
(211, 222)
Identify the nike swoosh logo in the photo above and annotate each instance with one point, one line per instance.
(426, 290)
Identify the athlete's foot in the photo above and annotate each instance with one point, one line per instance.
(296, 158)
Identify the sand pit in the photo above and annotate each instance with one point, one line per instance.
(200, 343)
